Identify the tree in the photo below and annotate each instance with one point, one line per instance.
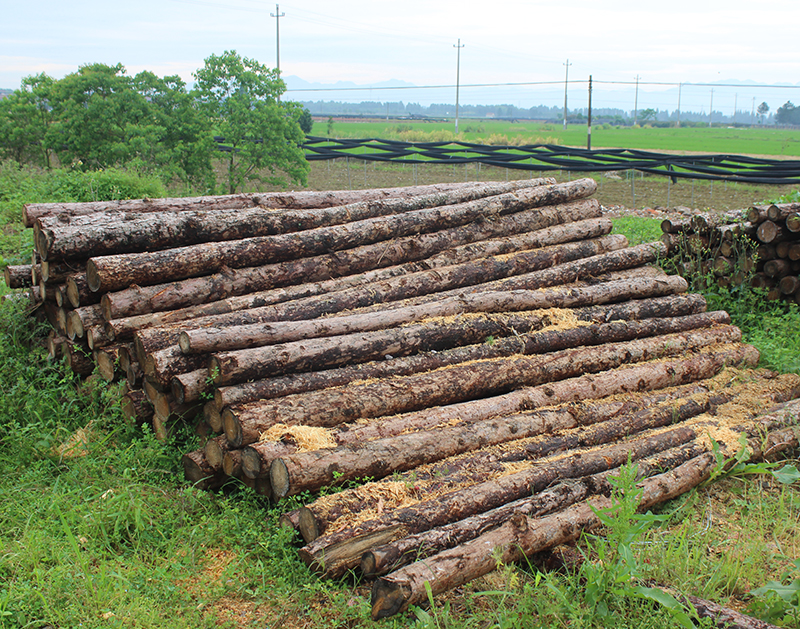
(647, 114)
(240, 98)
(25, 116)
(762, 110)
(305, 121)
(788, 114)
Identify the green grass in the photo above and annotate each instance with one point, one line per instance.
(717, 140)
(111, 536)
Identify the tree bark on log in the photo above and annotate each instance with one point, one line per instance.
(113, 272)
(415, 284)
(241, 365)
(162, 366)
(335, 553)
(197, 471)
(456, 384)
(580, 413)
(650, 376)
(98, 234)
(275, 200)
(348, 268)
(78, 292)
(519, 538)
(401, 552)
(18, 275)
(83, 318)
(291, 474)
(136, 408)
(268, 388)
(417, 281)
(405, 278)
(190, 386)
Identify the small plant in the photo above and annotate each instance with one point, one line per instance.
(779, 601)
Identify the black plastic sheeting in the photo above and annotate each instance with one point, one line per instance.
(542, 157)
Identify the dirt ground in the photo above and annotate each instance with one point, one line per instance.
(621, 191)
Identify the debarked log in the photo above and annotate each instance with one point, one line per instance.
(113, 272)
(458, 383)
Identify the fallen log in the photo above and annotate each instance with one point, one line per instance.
(78, 292)
(112, 272)
(278, 200)
(197, 471)
(268, 388)
(136, 408)
(348, 268)
(457, 383)
(83, 318)
(98, 234)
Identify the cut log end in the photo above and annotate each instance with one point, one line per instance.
(307, 524)
(251, 464)
(279, 477)
(232, 428)
(388, 599)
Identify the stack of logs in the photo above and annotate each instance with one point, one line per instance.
(760, 245)
(472, 362)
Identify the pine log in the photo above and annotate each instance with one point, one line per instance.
(769, 232)
(349, 268)
(417, 281)
(454, 384)
(311, 470)
(100, 234)
(83, 318)
(416, 284)
(793, 222)
(389, 557)
(778, 212)
(162, 366)
(581, 412)
(97, 336)
(214, 450)
(79, 358)
(513, 541)
(107, 363)
(18, 275)
(335, 553)
(277, 200)
(676, 226)
(55, 345)
(268, 388)
(649, 376)
(136, 408)
(78, 292)
(212, 416)
(789, 284)
(190, 386)
(522, 536)
(238, 366)
(777, 268)
(55, 272)
(197, 471)
(113, 272)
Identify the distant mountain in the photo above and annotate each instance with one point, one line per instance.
(296, 83)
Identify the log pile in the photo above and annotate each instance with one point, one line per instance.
(472, 362)
(759, 246)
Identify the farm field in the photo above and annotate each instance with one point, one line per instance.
(716, 140)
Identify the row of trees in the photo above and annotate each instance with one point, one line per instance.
(100, 117)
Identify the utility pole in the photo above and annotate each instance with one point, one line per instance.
(680, 85)
(735, 103)
(566, 82)
(636, 100)
(589, 128)
(459, 46)
(711, 108)
(277, 15)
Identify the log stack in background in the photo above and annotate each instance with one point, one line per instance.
(760, 245)
(485, 355)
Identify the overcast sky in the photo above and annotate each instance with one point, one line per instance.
(366, 42)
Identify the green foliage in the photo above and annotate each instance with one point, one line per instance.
(21, 185)
(240, 98)
(638, 230)
(305, 121)
(25, 119)
(779, 601)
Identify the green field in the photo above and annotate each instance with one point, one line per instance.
(717, 140)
